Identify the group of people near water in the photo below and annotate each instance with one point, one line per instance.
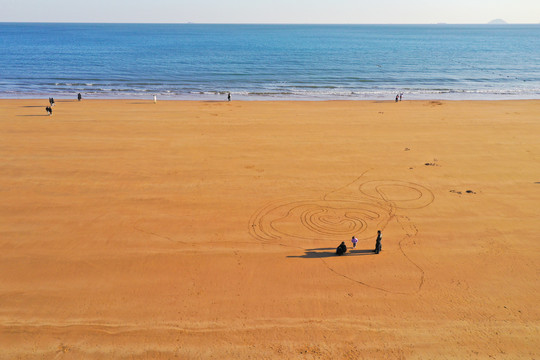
(49, 109)
(342, 248)
(79, 98)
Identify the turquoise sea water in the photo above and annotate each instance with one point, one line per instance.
(304, 62)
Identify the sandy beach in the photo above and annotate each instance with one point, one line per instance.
(207, 230)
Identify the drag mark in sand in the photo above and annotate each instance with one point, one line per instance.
(359, 208)
(410, 231)
(158, 235)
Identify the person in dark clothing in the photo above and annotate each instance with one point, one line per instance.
(341, 249)
(48, 109)
(378, 246)
(51, 101)
(229, 96)
(79, 96)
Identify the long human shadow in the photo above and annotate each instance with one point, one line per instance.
(32, 115)
(331, 252)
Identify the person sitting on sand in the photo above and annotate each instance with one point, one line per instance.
(341, 249)
(354, 240)
(378, 246)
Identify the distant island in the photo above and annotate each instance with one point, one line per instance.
(497, 22)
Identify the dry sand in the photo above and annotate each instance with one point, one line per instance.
(207, 230)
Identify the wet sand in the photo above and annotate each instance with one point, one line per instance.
(202, 230)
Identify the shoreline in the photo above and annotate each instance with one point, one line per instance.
(221, 100)
(243, 97)
(414, 94)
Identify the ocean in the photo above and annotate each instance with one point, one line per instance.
(269, 62)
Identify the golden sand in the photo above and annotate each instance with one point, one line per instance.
(207, 230)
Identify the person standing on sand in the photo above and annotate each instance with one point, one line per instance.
(48, 109)
(155, 99)
(397, 97)
(354, 240)
(229, 97)
(401, 96)
(79, 96)
(378, 246)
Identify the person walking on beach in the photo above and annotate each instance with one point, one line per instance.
(341, 249)
(48, 109)
(51, 101)
(354, 241)
(401, 96)
(378, 246)
(79, 96)
(229, 96)
(155, 99)
(397, 97)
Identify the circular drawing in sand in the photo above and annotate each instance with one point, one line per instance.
(400, 194)
(317, 219)
(341, 213)
(356, 209)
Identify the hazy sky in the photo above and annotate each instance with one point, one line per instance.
(272, 11)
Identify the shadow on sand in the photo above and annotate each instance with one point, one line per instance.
(32, 115)
(331, 252)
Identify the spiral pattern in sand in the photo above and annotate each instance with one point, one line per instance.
(316, 219)
(326, 219)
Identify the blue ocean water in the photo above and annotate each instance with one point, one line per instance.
(304, 62)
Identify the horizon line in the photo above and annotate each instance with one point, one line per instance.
(249, 23)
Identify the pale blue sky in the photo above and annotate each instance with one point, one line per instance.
(272, 11)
